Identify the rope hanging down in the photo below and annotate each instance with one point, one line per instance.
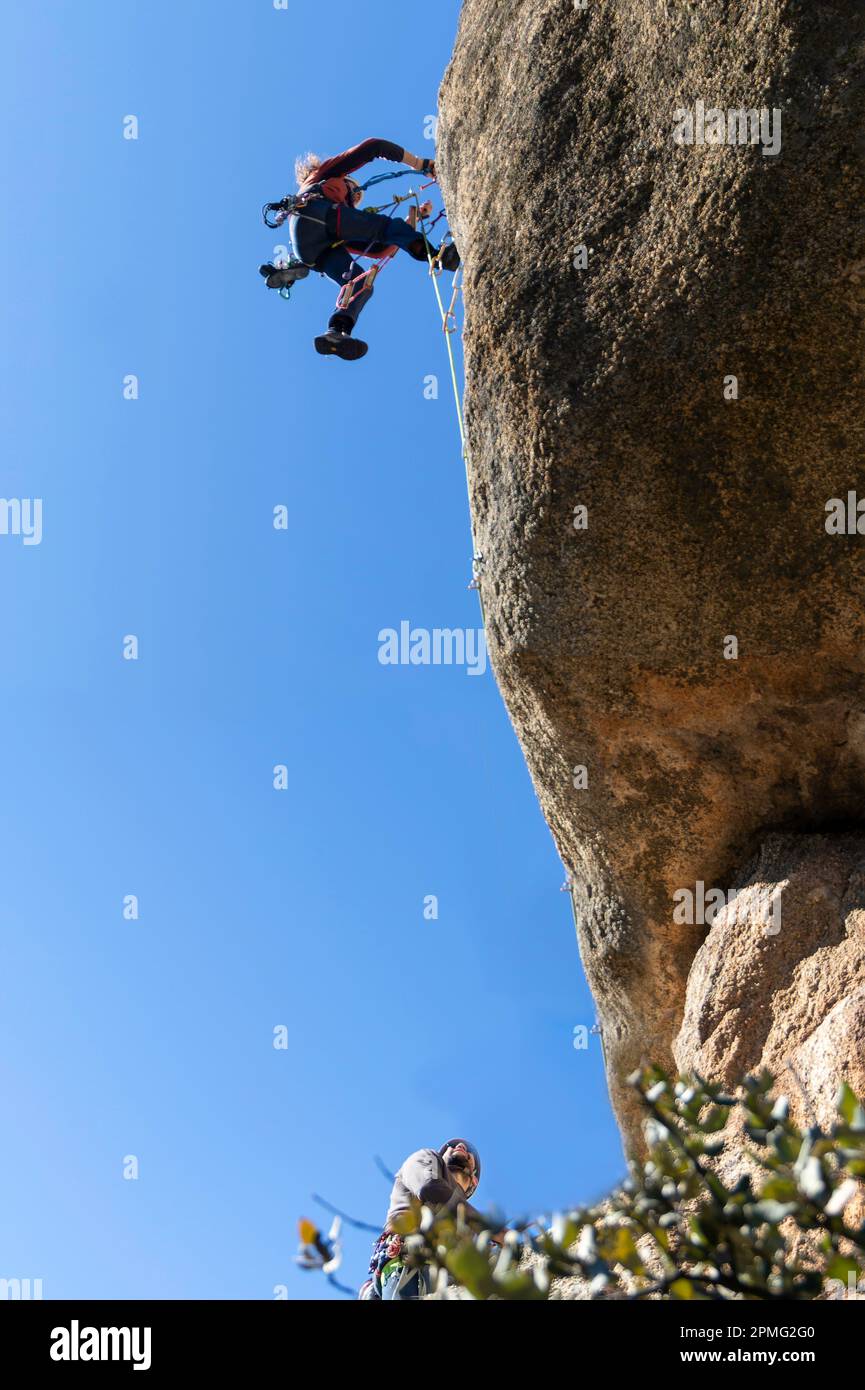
(352, 288)
(449, 328)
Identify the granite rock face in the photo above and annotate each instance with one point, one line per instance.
(695, 639)
(779, 981)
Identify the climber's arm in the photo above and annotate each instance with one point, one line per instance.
(420, 165)
(367, 150)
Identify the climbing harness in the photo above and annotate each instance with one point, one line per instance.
(294, 205)
(388, 1263)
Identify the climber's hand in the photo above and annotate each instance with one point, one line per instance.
(425, 209)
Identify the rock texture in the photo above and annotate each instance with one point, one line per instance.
(786, 989)
(607, 388)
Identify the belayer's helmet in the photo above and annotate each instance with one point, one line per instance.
(459, 1153)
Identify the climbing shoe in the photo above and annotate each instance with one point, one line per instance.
(281, 277)
(334, 343)
(421, 251)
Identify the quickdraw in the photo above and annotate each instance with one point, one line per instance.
(449, 327)
(364, 281)
(368, 277)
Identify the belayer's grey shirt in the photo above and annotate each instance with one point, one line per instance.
(424, 1177)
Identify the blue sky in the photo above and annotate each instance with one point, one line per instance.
(257, 647)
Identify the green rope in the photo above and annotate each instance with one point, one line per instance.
(457, 399)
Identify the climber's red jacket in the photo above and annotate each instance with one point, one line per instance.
(332, 172)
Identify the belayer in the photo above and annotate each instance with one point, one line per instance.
(442, 1179)
(328, 231)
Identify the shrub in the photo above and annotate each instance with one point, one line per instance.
(675, 1229)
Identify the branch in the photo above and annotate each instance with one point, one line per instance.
(349, 1220)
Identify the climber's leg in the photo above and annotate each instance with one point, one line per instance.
(421, 250)
(340, 267)
(360, 227)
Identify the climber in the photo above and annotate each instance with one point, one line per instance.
(442, 1179)
(328, 230)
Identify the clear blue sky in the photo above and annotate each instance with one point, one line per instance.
(257, 907)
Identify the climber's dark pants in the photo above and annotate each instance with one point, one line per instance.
(338, 265)
(312, 243)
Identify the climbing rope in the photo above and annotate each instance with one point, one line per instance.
(276, 213)
(449, 328)
(568, 887)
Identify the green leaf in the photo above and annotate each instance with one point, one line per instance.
(715, 1120)
(848, 1106)
(779, 1190)
(470, 1268)
(563, 1231)
(619, 1247)
(682, 1289)
(840, 1267)
(407, 1222)
(516, 1285)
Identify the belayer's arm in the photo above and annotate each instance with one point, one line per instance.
(361, 154)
